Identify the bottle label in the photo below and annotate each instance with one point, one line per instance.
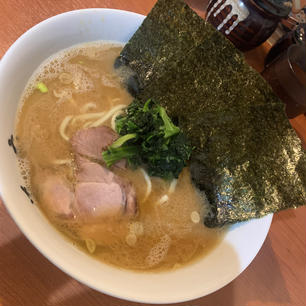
(238, 9)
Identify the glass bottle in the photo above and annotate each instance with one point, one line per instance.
(247, 23)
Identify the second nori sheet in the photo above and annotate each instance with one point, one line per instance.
(248, 159)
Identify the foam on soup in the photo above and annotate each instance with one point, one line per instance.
(168, 231)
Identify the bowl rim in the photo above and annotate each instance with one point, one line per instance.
(47, 255)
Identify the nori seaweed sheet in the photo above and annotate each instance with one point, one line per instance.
(248, 159)
(162, 39)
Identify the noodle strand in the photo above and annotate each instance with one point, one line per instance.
(172, 186)
(108, 115)
(113, 121)
(63, 127)
(87, 116)
(149, 184)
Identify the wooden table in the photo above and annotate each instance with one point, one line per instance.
(275, 278)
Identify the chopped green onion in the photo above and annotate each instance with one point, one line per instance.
(42, 87)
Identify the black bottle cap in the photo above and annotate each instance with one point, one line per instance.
(280, 8)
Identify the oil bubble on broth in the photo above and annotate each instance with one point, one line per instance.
(84, 91)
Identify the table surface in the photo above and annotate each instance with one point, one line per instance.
(275, 278)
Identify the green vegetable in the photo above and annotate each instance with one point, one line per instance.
(119, 142)
(149, 138)
(42, 87)
(112, 155)
(169, 128)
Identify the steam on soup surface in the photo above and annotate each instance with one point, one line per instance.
(118, 215)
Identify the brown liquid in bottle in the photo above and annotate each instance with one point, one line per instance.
(287, 77)
(300, 74)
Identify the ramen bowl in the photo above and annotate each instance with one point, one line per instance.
(219, 267)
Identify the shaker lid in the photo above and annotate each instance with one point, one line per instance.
(300, 33)
(280, 8)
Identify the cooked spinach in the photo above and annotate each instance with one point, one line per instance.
(149, 138)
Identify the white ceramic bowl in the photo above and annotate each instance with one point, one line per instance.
(218, 268)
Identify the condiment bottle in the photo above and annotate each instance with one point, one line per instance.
(247, 23)
(298, 36)
(287, 77)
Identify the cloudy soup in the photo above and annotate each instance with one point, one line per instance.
(121, 216)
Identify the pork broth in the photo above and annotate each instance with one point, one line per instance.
(84, 91)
